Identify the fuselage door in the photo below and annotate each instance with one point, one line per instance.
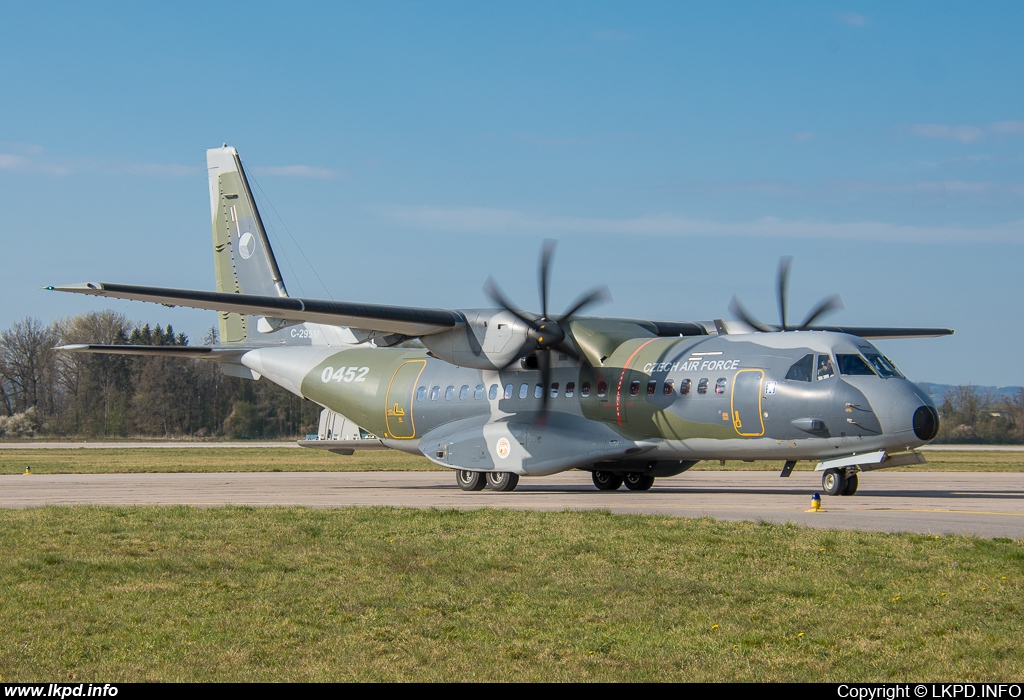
(399, 402)
(746, 403)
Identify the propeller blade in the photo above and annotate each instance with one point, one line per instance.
(783, 284)
(491, 289)
(737, 309)
(825, 306)
(544, 360)
(545, 265)
(595, 295)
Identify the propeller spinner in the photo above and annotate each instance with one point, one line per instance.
(825, 306)
(545, 334)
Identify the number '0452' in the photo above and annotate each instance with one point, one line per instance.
(344, 374)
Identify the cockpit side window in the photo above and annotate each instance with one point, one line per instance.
(853, 365)
(883, 365)
(801, 369)
(825, 368)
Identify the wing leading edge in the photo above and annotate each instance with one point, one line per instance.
(404, 320)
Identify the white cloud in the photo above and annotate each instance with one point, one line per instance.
(298, 171)
(30, 165)
(852, 19)
(966, 133)
(503, 221)
(804, 136)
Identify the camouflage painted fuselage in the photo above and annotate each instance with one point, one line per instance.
(727, 397)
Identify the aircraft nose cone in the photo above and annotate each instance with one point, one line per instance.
(926, 423)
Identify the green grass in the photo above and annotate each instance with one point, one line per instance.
(264, 459)
(290, 594)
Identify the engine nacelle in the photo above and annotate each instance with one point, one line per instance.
(490, 339)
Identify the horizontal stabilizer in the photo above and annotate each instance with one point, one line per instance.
(197, 352)
(403, 320)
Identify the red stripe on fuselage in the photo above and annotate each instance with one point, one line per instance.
(618, 392)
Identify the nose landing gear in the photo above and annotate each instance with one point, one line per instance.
(839, 482)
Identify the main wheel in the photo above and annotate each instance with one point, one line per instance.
(470, 481)
(833, 481)
(851, 485)
(638, 482)
(607, 481)
(502, 481)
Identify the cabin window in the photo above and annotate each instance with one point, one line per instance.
(570, 389)
(825, 369)
(652, 386)
(801, 369)
(554, 390)
(493, 393)
(524, 390)
(720, 386)
(585, 389)
(464, 392)
(508, 391)
(668, 388)
(634, 388)
(478, 393)
(434, 393)
(538, 391)
(421, 393)
(853, 365)
(602, 389)
(702, 386)
(449, 393)
(684, 387)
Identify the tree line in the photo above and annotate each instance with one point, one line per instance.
(44, 391)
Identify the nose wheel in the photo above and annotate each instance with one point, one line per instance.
(836, 482)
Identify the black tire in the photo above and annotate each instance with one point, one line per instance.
(470, 481)
(607, 481)
(833, 481)
(638, 482)
(851, 485)
(502, 481)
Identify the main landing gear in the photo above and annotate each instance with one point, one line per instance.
(838, 482)
(476, 481)
(611, 481)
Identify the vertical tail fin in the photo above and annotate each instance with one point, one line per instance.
(244, 260)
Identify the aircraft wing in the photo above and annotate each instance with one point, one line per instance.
(404, 320)
(871, 333)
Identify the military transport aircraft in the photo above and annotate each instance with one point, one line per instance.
(500, 393)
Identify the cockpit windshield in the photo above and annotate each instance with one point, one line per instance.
(853, 364)
(883, 365)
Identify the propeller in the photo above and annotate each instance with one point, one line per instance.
(545, 334)
(823, 307)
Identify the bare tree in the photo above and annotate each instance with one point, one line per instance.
(27, 373)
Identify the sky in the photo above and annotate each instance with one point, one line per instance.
(404, 151)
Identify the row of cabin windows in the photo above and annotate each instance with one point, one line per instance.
(668, 389)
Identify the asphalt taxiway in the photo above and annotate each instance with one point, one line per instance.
(984, 504)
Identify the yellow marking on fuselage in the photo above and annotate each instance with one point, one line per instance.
(737, 422)
(389, 413)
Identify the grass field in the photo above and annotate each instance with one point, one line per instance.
(198, 459)
(291, 594)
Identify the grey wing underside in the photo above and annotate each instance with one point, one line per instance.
(402, 320)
